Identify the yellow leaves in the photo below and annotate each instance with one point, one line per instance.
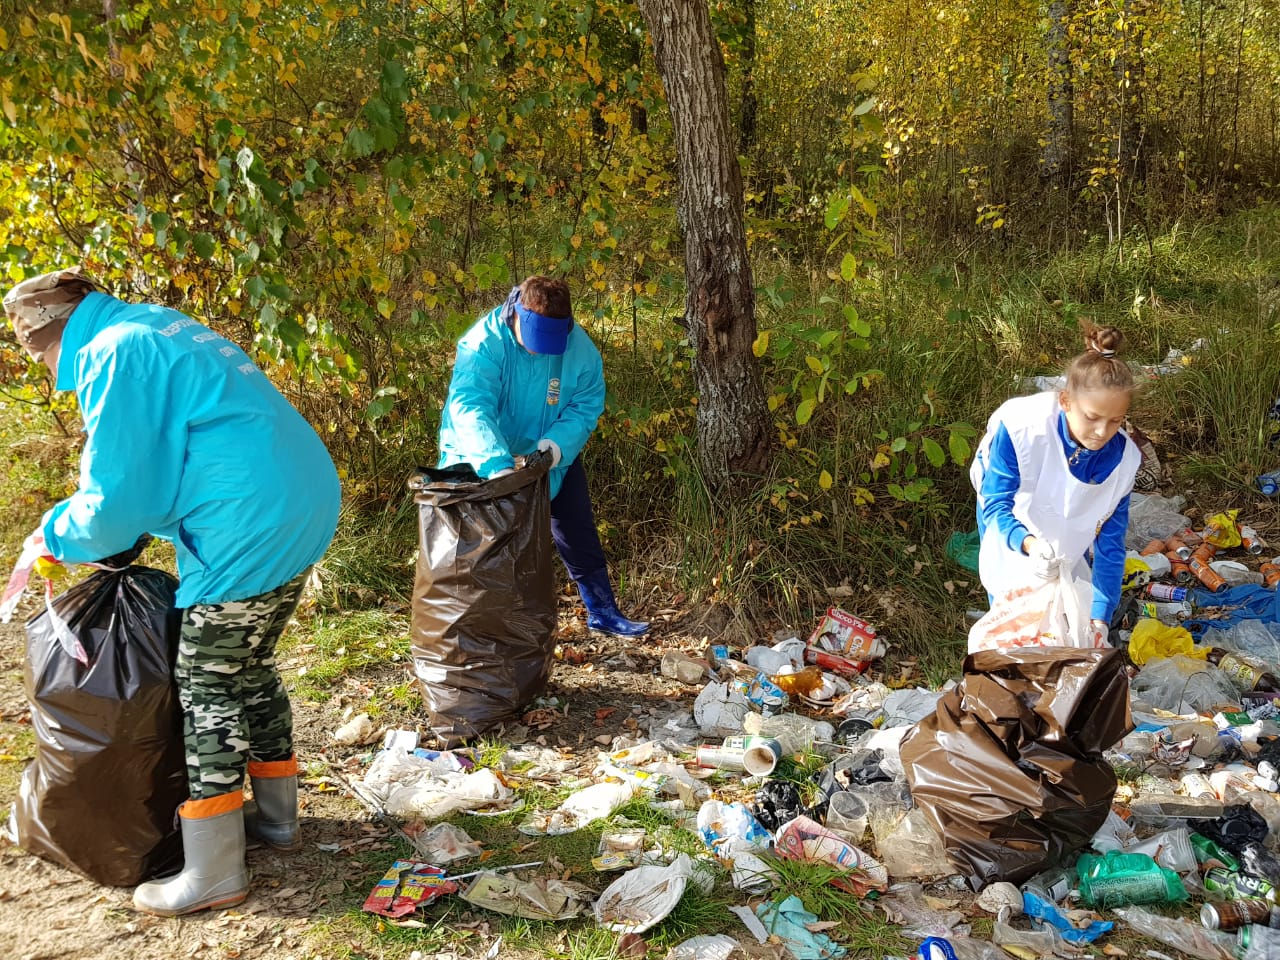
(85, 53)
(27, 27)
(813, 363)
(4, 39)
(63, 21)
(252, 8)
(825, 480)
(761, 346)
(10, 110)
(880, 460)
(862, 497)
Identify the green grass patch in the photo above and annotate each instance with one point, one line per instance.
(335, 645)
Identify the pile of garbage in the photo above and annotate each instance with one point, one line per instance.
(1053, 782)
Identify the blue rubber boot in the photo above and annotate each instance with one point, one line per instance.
(602, 609)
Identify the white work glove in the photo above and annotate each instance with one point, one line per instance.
(1098, 631)
(1044, 561)
(544, 445)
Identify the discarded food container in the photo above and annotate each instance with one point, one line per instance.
(1235, 913)
(800, 682)
(1162, 591)
(834, 662)
(756, 756)
(841, 632)
(847, 814)
(1269, 483)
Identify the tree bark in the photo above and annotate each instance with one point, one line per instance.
(734, 424)
(1058, 141)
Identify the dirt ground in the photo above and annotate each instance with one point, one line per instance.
(48, 912)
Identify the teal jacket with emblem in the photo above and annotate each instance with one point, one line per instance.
(186, 439)
(503, 399)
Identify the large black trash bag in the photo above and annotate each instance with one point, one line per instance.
(484, 605)
(1009, 770)
(110, 767)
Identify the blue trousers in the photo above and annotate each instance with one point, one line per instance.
(573, 525)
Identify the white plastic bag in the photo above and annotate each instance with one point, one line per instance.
(1048, 613)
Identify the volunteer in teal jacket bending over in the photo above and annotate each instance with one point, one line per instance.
(527, 378)
(186, 439)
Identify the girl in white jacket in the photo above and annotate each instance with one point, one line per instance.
(1053, 476)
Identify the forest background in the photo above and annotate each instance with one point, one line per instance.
(935, 194)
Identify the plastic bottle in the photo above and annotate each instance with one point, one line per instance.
(1269, 483)
(1116, 879)
(1247, 672)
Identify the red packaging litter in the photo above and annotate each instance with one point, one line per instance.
(407, 886)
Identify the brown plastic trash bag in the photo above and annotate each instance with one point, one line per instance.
(110, 767)
(484, 605)
(1009, 768)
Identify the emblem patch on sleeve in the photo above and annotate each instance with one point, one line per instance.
(553, 391)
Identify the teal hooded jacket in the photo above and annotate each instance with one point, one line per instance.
(186, 439)
(503, 399)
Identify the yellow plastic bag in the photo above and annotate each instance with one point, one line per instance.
(1137, 573)
(1152, 639)
(1221, 530)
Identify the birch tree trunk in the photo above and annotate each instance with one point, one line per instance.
(1058, 141)
(734, 424)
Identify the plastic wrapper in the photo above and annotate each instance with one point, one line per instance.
(705, 947)
(1152, 639)
(793, 731)
(906, 906)
(110, 769)
(446, 842)
(914, 849)
(643, 897)
(1254, 637)
(1009, 768)
(1153, 518)
(410, 786)
(586, 806)
(719, 710)
(543, 898)
(1191, 938)
(407, 886)
(1182, 685)
(484, 605)
(805, 839)
(1046, 912)
(738, 839)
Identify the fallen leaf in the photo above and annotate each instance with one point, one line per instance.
(605, 712)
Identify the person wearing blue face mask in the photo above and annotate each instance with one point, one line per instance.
(527, 378)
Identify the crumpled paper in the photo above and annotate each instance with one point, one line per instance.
(544, 898)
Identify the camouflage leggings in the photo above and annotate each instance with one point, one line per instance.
(234, 705)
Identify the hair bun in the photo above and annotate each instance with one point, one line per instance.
(1105, 341)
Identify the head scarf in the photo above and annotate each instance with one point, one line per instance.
(39, 307)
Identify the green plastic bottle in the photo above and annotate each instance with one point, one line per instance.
(1118, 879)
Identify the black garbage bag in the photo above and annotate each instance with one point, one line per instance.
(110, 768)
(484, 605)
(1009, 768)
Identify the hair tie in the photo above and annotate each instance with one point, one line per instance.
(1107, 354)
